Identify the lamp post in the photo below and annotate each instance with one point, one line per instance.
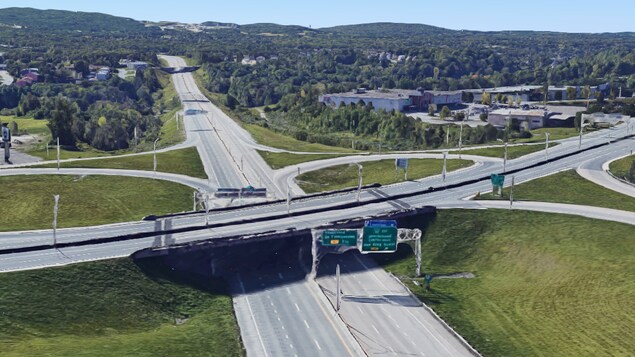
(445, 161)
(547, 145)
(57, 199)
(155, 156)
(359, 180)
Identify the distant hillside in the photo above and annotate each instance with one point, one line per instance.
(274, 29)
(58, 20)
(386, 29)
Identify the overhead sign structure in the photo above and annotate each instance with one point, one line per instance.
(346, 237)
(380, 223)
(379, 239)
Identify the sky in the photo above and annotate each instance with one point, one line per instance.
(539, 15)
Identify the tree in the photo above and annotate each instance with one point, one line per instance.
(586, 93)
(445, 112)
(486, 99)
(572, 93)
(432, 108)
(483, 117)
(63, 113)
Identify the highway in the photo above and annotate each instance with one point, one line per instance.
(263, 310)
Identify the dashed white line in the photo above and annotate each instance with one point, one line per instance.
(317, 344)
(375, 328)
(306, 324)
(297, 307)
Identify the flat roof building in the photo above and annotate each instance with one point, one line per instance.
(529, 119)
(393, 99)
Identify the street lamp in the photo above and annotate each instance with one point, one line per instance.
(504, 156)
(155, 156)
(359, 180)
(582, 125)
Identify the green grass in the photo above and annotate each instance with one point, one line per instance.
(554, 134)
(270, 138)
(621, 167)
(85, 201)
(183, 161)
(513, 152)
(284, 159)
(568, 187)
(545, 285)
(115, 308)
(31, 126)
(383, 172)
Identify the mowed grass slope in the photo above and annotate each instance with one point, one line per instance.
(545, 285)
(115, 308)
(182, 161)
(269, 137)
(86, 200)
(278, 160)
(513, 152)
(568, 187)
(621, 167)
(382, 171)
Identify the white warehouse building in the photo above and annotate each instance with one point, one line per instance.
(387, 99)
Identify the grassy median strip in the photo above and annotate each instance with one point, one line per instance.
(513, 152)
(182, 161)
(545, 284)
(620, 168)
(116, 308)
(567, 187)
(382, 171)
(269, 137)
(278, 160)
(86, 200)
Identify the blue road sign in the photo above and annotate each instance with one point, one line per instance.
(380, 223)
(401, 163)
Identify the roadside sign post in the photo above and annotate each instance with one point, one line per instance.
(6, 139)
(288, 199)
(497, 182)
(401, 164)
(511, 194)
(338, 299)
(460, 140)
(195, 201)
(206, 203)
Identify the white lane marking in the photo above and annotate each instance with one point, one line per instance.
(317, 344)
(286, 336)
(251, 312)
(280, 276)
(282, 327)
(392, 350)
(297, 307)
(275, 311)
(278, 318)
(288, 291)
(306, 324)
(375, 328)
(361, 310)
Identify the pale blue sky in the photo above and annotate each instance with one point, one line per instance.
(552, 15)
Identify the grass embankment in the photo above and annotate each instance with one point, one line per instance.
(383, 172)
(86, 200)
(270, 138)
(513, 152)
(620, 168)
(28, 125)
(115, 308)
(554, 134)
(568, 187)
(183, 161)
(283, 159)
(546, 284)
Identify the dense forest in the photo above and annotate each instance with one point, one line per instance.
(295, 65)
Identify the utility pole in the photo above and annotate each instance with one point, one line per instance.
(359, 181)
(195, 201)
(338, 299)
(58, 153)
(447, 137)
(505, 159)
(547, 145)
(206, 203)
(155, 156)
(136, 141)
(445, 161)
(460, 140)
(580, 142)
(57, 199)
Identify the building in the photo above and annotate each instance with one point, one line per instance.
(523, 92)
(529, 119)
(387, 99)
(394, 99)
(137, 65)
(3, 67)
(103, 74)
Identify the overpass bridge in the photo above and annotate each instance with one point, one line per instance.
(175, 70)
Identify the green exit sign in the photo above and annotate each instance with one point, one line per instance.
(379, 239)
(346, 237)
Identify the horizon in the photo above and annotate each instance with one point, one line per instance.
(467, 16)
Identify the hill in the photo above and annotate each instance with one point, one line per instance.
(60, 20)
(387, 29)
(268, 28)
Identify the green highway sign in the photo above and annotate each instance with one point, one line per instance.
(498, 180)
(346, 237)
(379, 239)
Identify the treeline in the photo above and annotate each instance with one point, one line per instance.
(102, 114)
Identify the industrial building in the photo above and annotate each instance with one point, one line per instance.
(529, 119)
(393, 99)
